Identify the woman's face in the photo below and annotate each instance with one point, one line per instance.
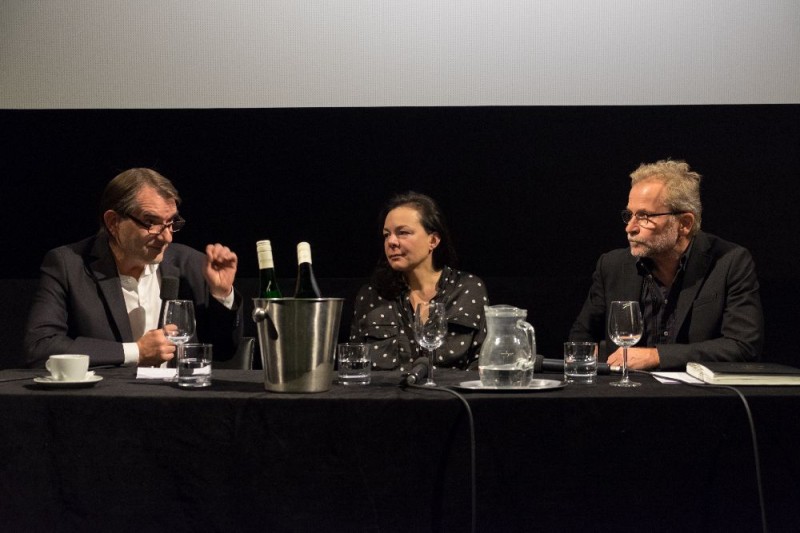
(406, 243)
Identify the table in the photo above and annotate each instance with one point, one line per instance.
(135, 455)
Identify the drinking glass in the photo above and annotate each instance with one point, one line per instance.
(430, 328)
(179, 325)
(625, 329)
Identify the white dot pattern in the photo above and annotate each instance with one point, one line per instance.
(384, 324)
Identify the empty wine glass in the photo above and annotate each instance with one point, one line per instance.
(430, 328)
(179, 325)
(625, 329)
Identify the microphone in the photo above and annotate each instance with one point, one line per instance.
(557, 366)
(169, 291)
(417, 373)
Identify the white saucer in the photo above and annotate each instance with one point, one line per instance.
(88, 381)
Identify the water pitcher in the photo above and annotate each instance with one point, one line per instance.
(507, 355)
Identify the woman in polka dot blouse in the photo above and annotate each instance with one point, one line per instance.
(417, 267)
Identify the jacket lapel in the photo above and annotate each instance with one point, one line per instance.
(696, 269)
(631, 281)
(104, 270)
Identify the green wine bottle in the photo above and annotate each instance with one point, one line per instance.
(306, 286)
(268, 281)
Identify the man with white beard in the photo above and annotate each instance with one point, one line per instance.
(699, 294)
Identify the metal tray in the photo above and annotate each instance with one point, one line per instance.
(535, 386)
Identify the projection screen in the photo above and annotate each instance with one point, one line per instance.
(91, 54)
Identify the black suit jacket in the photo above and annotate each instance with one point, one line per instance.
(79, 306)
(718, 315)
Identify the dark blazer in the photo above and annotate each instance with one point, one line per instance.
(718, 315)
(79, 307)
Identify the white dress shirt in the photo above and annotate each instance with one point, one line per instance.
(143, 303)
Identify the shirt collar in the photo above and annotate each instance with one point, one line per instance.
(149, 270)
(441, 285)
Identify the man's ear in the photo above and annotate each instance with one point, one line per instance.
(686, 223)
(111, 219)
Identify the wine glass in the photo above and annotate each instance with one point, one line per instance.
(430, 328)
(625, 329)
(178, 326)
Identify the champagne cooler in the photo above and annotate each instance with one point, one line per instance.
(297, 339)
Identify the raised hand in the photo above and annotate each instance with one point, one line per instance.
(220, 269)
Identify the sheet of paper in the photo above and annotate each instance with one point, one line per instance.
(149, 372)
(675, 377)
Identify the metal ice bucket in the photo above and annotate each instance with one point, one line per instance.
(297, 339)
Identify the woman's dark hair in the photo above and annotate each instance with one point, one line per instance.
(390, 283)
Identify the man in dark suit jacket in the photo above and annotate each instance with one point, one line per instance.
(101, 296)
(699, 294)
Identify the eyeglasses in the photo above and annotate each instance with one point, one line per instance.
(175, 226)
(643, 219)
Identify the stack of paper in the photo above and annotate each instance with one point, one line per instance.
(744, 373)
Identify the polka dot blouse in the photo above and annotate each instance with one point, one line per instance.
(387, 326)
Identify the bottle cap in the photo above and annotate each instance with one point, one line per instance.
(303, 252)
(264, 253)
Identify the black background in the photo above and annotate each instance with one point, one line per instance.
(529, 192)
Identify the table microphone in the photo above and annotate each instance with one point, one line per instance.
(417, 373)
(169, 291)
(557, 366)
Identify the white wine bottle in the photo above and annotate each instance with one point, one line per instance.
(268, 281)
(306, 286)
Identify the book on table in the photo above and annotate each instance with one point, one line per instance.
(719, 373)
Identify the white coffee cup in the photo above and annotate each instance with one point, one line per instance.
(68, 367)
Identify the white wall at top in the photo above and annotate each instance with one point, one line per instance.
(293, 53)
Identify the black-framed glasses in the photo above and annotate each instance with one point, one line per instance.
(642, 218)
(174, 226)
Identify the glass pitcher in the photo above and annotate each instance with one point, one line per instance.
(507, 355)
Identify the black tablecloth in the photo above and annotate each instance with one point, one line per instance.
(136, 455)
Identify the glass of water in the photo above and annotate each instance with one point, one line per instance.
(355, 367)
(580, 362)
(194, 365)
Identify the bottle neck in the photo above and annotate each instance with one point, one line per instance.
(306, 286)
(265, 260)
(268, 284)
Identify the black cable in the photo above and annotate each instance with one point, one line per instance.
(751, 422)
(473, 462)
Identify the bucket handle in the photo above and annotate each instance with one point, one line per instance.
(259, 315)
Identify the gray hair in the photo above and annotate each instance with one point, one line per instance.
(120, 193)
(682, 186)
